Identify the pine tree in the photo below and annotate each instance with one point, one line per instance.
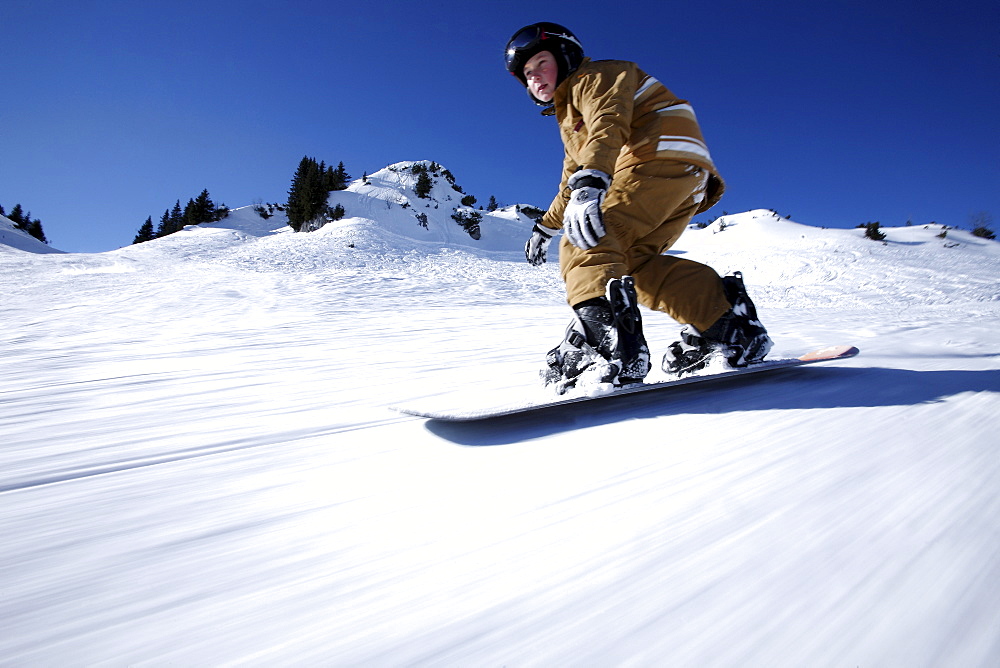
(16, 216)
(311, 186)
(176, 217)
(145, 232)
(470, 222)
(317, 194)
(981, 221)
(296, 208)
(340, 178)
(335, 179)
(308, 194)
(873, 232)
(424, 184)
(202, 209)
(34, 228)
(22, 221)
(492, 206)
(171, 221)
(326, 174)
(189, 214)
(165, 226)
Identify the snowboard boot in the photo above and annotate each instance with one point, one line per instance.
(738, 336)
(630, 349)
(604, 343)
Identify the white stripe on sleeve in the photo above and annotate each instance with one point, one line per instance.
(680, 110)
(650, 81)
(684, 145)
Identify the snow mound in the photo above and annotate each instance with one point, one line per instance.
(389, 199)
(11, 237)
(798, 265)
(765, 227)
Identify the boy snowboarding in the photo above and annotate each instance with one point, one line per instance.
(636, 170)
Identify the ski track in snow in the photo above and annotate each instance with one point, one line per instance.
(198, 465)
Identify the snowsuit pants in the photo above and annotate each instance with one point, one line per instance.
(645, 212)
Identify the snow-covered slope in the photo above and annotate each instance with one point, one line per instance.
(388, 199)
(11, 237)
(198, 465)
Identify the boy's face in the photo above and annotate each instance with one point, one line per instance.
(541, 72)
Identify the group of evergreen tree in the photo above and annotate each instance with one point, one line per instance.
(980, 223)
(873, 232)
(470, 221)
(198, 210)
(22, 221)
(422, 188)
(311, 187)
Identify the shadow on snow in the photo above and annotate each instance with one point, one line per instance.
(789, 389)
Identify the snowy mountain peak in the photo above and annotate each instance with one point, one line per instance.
(406, 183)
(728, 220)
(422, 201)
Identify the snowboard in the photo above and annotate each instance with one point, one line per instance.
(463, 406)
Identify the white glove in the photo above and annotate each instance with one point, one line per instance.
(582, 219)
(537, 248)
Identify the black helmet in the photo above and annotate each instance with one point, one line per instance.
(552, 37)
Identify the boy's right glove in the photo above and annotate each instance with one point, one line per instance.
(582, 220)
(537, 248)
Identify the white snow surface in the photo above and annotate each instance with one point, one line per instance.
(198, 465)
(15, 238)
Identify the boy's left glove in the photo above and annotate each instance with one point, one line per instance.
(582, 219)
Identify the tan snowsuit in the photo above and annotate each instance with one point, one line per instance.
(615, 118)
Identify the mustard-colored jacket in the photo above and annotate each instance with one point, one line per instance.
(612, 116)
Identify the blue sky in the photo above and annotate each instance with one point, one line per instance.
(836, 113)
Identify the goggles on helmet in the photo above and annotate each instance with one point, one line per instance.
(529, 38)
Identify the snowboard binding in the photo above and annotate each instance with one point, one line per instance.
(738, 336)
(604, 344)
